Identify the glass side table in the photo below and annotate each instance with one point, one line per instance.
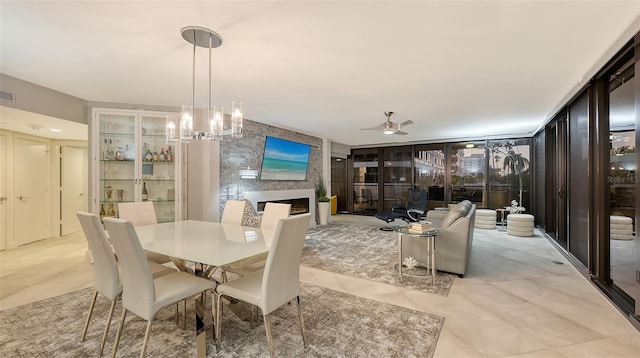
(503, 218)
(419, 271)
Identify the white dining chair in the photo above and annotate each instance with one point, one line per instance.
(141, 294)
(279, 282)
(142, 213)
(139, 213)
(233, 212)
(106, 279)
(270, 216)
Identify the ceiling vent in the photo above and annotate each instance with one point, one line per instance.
(7, 96)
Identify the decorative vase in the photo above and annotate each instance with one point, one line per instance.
(324, 208)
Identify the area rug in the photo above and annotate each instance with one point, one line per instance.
(337, 325)
(364, 252)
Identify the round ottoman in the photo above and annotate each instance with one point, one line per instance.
(620, 227)
(520, 224)
(485, 219)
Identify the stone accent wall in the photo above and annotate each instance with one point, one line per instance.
(239, 153)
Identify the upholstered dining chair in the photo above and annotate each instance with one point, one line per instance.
(141, 294)
(279, 282)
(233, 212)
(142, 213)
(270, 216)
(106, 279)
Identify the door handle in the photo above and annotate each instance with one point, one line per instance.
(23, 197)
(3, 198)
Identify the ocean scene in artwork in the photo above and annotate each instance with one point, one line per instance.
(284, 160)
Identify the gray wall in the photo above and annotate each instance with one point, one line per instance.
(240, 153)
(31, 97)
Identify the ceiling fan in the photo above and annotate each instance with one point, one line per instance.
(389, 127)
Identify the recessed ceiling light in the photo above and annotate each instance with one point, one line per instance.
(470, 145)
(56, 130)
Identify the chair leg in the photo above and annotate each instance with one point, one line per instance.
(184, 314)
(218, 318)
(115, 344)
(254, 317)
(106, 329)
(267, 327)
(86, 325)
(177, 314)
(304, 336)
(146, 339)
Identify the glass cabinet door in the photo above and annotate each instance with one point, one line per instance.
(158, 168)
(117, 167)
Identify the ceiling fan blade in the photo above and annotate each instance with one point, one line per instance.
(400, 133)
(406, 123)
(376, 128)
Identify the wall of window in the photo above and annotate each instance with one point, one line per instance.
(590, 179)
(490, 173)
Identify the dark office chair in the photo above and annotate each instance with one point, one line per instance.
(368, 198)
(411, 212)
(416, 202)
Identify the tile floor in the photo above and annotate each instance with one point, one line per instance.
(513, 302)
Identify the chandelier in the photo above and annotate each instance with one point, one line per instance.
(180, 129)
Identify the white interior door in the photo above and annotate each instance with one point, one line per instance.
(32, 194)
(3, 191)
(74, 188)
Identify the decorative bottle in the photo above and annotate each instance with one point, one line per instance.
(145, 195)
(102, 212)
(169, 154)
(105, 150)
(110, 153)
(110, 211)
(128, 153)
(162, 157)
(155, 156)
(147, 155)
(119, 152)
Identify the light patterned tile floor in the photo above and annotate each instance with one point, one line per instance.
(513, 302)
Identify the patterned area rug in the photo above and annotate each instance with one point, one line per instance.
(364, 252)
(337, 325)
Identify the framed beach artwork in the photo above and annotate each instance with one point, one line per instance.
(284, 160)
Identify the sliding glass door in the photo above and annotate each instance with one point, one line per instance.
(622, 181)
(468, 172)
(365, 181)
(429, 172)
(397, 176)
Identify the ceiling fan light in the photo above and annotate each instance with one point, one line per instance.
(388, 131)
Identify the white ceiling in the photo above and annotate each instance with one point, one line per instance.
(458, 69)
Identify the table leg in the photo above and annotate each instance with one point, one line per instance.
(432, 248)
(400, 257)
(200, 308)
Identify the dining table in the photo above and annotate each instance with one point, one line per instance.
(202, 243)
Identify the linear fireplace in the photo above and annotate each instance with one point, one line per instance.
(298, 205)
(301, 200)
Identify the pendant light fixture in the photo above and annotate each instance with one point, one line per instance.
(181, 129)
